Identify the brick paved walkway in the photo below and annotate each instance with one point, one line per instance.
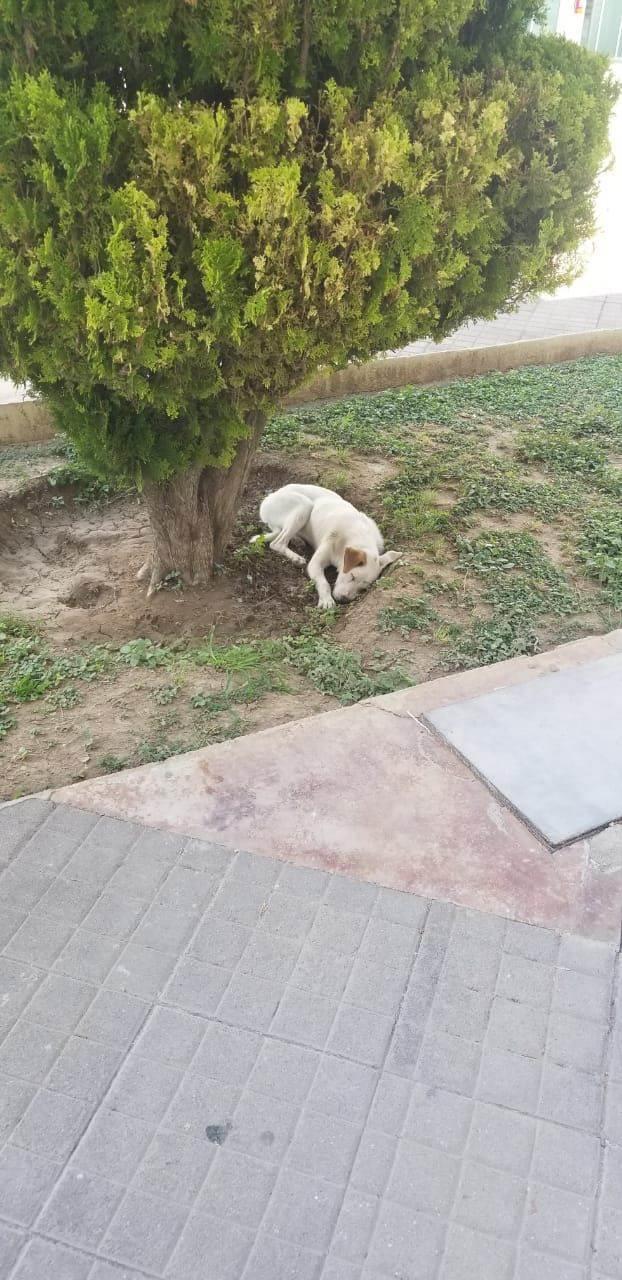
(216, 1066)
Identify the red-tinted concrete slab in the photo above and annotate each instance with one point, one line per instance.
(368, 792)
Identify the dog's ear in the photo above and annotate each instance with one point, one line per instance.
(353, 558)
(388, 558)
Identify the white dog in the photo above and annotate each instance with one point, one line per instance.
(338, 534)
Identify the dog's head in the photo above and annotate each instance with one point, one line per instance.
(359, 570)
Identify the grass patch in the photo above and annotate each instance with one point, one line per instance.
(600, 550)
(408, 615)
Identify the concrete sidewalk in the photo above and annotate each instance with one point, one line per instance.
(217, 1066)
(540, 318)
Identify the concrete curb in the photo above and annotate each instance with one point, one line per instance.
(29, 422)
(443, 366)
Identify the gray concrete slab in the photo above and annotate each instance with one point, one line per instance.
(552, 747)
(262, 1072)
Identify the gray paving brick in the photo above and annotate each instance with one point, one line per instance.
(240, 901)
(226, 1244)
(141, 873)
(202, 855)
(509, 1080)
(144, 1231)
(115, 915)
(476, 924)
(263, 1127)
(401, 1237)
(288, 915)
(19, 821)
(557, 1222)
(303, 1210)
(270, 956)
(38, 941)
(113, 1018)
(304, 1018)
(469, 1255)
(339, 1269)
(360, 1034)
(88, 956)
(324, 1147)
(354, 896)
(390, 944)
(15, 1098)
(52, 1125)
(10, 922)
(585, 955)
(45, 1258)
(113, 1145)
(423, 1178)
(531, 942)
(613, 1113)
(252, 867)
(80, 1208)
(29, 1050)
(608, 1245)
(53, 844)
(238, 1187)
(355, 1226)
(165, 929)
(274, 1259)
(490, 1201)
(220, 942)
(461, 1010)
(143, 1089)
(573, 1042)
(473, 962)
(175, 1167)
(390, 1102)
(527, 981)
(141, 971)
(532, 1265)
(402, 908)
(196, 987)
(373, 1163)
(582, 995)
(375, 987)
(101, 853)
(438, 1118)
(84, 1069)
(519, 1028)
(304, 882)
(405, 1047)
(250, 1002)
(284, 1071)
(187, 890)
(26, 1180)
(502, 1139)
(68, 900)
(449, 1062)
(571, 1097)
(171, 1036)
(321, 971)
(11, 1241)
(201, 1105)
(343, 1089)
(340, 931)
(60, 1002)
(18, 981)
(112, 1271)
(21, 889)
(612, 1176)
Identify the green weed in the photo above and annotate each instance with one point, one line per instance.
(407, 615)
(600, 550)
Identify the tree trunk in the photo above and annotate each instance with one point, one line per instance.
(192, 516)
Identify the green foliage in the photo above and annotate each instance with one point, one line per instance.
(201, 202)
(600, 549)
(407, 615)
(339, 672)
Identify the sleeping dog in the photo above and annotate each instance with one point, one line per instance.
(337, 533)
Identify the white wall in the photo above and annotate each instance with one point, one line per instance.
(569, 23)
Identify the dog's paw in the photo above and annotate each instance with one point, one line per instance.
(326, 603)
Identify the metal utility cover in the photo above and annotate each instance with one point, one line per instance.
(552, 746)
